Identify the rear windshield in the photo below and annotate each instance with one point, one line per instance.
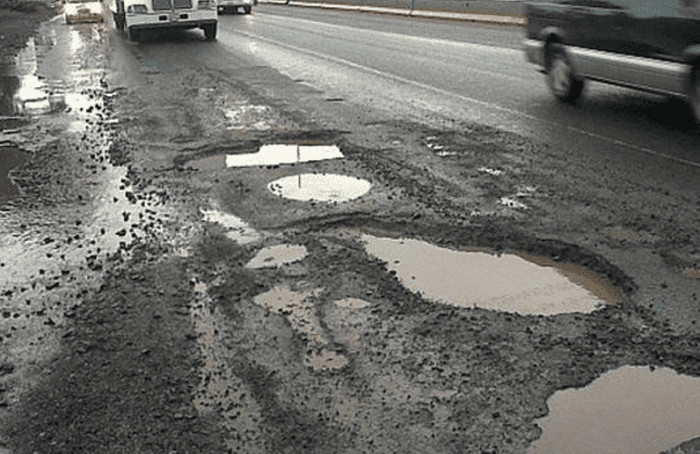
(160, 5)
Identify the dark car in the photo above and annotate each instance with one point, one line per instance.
(651, 45)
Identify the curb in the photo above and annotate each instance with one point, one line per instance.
(469, 17)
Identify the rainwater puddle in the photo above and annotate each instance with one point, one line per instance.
(631, 410)
(326, 360)
(284, 154)
(10, 157)
(275, 256)
(295, 306)
(237, 230)
(321, 187)
(301, 315)
(352, 303)
(507, 282)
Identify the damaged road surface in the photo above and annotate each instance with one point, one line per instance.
(206, 249)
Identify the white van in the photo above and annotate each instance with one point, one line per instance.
(137, 16)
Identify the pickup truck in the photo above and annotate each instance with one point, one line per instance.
(651, 45)
(138, 16)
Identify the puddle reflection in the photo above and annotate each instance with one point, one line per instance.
(320, 187)
(506, 282)
(631, 410)
(284, 154)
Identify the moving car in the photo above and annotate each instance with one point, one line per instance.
(82, 11)
(233, 5)
(651, 45)
(140, 16)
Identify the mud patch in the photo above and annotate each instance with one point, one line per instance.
(507, 282)
(320, 187)
(692, 273)
(631, 410)
(10, 157)
(275, 256)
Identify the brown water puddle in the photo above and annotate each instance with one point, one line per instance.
(320, 187)
(284, 154)
(275, 256)
(630, 410)
(507, 282)
(10, 157)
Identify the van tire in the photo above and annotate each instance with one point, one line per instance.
(135, 35)
(247, 9)
(209, 32)
(561, 77)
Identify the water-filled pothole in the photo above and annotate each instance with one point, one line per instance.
(275, 256)
(321, 187)
(506, 282)
(237, 229)
(10, 157)
(284, 154)
(630, 410)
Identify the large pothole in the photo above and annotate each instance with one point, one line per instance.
(519, 283)
(630, 410)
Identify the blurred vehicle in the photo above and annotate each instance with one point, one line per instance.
(137, 17)
(226, 6)
(651, 45)
(82, 11)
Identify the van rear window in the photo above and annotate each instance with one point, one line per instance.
(161, 5)
(182, 4)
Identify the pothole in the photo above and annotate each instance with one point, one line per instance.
(284, 154)
(352, 303)
(506, 282)
(631, 410)
(320, 187)
(10, 157)
(326, 360)
(237, 230)
(275, 256)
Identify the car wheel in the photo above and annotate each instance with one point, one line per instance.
(210, 32)
(135, 35)
(247, 9)
(694, 95)
(561, 77)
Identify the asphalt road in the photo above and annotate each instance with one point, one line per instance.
(463, 71)
(155, 299)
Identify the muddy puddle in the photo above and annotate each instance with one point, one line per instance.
(237, 230)
(630, 410)
(507, 282)
(320, 187)
(275, 256)
(10, 157)
(270, 155)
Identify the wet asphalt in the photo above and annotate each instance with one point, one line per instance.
(157, 296)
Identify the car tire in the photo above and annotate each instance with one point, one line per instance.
(247, 9)
(561, 77)
(135, 35)
(210, 32)
(694, 94)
